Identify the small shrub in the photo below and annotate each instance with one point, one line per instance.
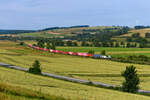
(103, 52)
(21, 43)
(3, 87)
(35, 69)
(132, 80)
(34, 45)
(143, 58)
(91, 52)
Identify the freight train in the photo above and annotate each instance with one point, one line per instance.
(97, 56)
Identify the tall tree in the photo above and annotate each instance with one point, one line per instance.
(117, 44)
(35, 69)
(147, 35)
(53, 45)
(131, 83)
(69, 43)
(128, 45)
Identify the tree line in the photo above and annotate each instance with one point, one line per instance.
(141, 27)
(52, 43)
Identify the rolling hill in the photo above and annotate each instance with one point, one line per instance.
(15, 31)
(69, 31)
(140, 31)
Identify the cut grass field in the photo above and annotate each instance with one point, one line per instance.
(79, 67)
(60, 88)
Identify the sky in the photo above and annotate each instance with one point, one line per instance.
(38, 14)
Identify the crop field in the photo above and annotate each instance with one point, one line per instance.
(110, 51)
(80, 67)
(62, 88)
(40, 34)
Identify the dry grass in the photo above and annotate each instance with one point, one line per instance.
(141, 31)
(61, 88)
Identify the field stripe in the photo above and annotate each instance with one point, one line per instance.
(68, 78)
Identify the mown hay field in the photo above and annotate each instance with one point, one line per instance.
(68, 90)
(84, 68)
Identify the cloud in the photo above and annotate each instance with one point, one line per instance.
(36, 14)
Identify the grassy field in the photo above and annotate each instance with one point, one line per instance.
(4, 96)
(110, 51)
(80, 67)
(61, 88)
(41, 34)
(11, 92)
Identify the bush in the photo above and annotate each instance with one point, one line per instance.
(34, 45)
(136, 35)
(132, 80)
(103, 52)
(53, 46)
(143, 58)
(35, 69)
(21, 43)
(91, 52)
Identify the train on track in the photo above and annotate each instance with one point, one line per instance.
(97, 56)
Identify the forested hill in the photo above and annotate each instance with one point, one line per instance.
(15, 31)
(55, 28)
(46, 29)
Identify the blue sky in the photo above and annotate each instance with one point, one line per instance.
(38, 14)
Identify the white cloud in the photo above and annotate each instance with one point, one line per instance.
(37, 13)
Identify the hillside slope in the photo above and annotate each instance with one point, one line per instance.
(141, 31)
(11, 92)
(61, 88)
(67, 31)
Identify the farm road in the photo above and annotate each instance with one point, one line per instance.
(67, 78)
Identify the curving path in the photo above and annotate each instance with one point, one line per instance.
(67, 78)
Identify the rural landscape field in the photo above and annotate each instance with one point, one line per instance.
(74, 50)
(98, 70)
